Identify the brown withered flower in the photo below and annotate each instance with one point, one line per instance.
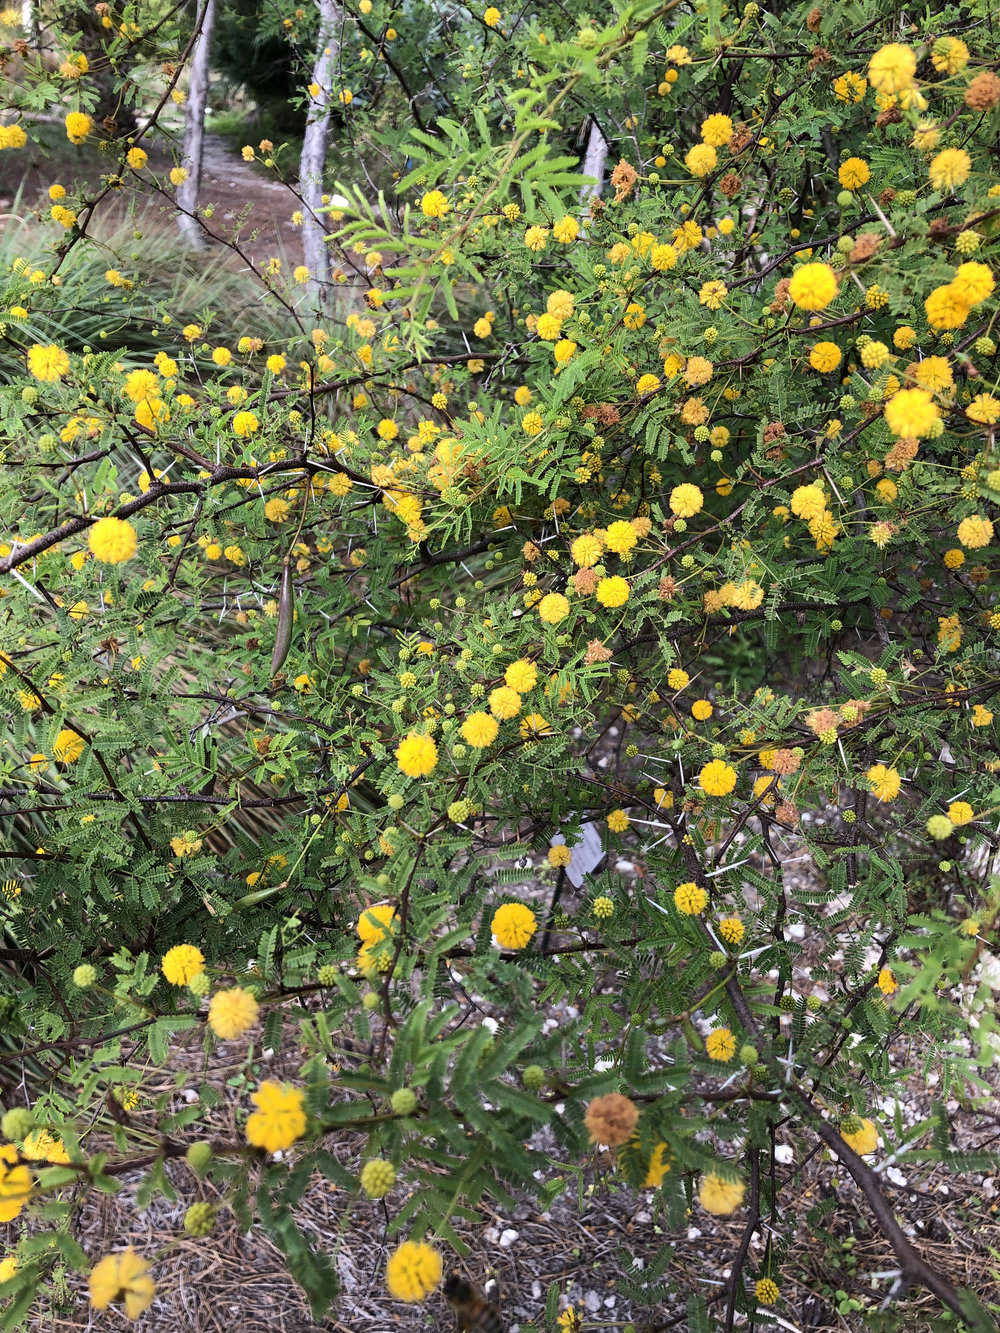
(611, 1119)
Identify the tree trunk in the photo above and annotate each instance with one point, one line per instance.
(593, 163)
(311, 164)
(194, 130)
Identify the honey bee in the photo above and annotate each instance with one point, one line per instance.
(473, 1311)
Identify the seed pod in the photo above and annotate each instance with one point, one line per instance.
(286, 616)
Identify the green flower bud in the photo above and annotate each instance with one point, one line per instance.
(396, 801)
(748, 1055)
(199, 1219)
(717, 959)
(199, 985)
(814, 1004)
(377, 1178)
(787, 1004)
(371, 1000)
(85, 975)
(533, 1077)
(851, 1124)
(29, 395)
(940, 826)
(845, 198)
(17, 1123)
(327, 975)
(403, 1101)
(199, 1157)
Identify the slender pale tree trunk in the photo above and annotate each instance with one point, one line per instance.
(313, 159)
(194, 129)
(593, 162)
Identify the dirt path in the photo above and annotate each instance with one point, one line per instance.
(245, 202)
(246, 205)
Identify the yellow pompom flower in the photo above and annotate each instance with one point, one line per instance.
(720, 1196)
(559, 856)
(417, 755)
(686, 500)
(565, 230)
(513, 925)
(67, 747)
(620, 537)
(891, 68)
(491, 17)
(884, 782)
(245, 424)
(949, 169)
(807, 502)
(414, 1269)
(717, 778)
(376, 922)
(178, 175)
(521, 675)
(973, 282)
(949, 55)
(975, 532)
(961, 812)
(887, 982)
(553, 608)
(612, 592)
(480, 730)
(618, 821)
(712, 294)
(662, 257)
(136, 158)
(690, 899)
(717, 130)
(123, 1276)
(78, 126)
(911, 414)
(677, 678)
(586, 551)
(48, 364)
(863, 1140)
(504, 702)
(825, 357)
(434, 204)
(112, 541)
(701, 710)
(720, 1045)
(659, 1164)
(279, 1119)
(732, 929)
(813, 286)
(701, 159)
(945, 308)
(232, 1012)
(854, 173)
(181, 963)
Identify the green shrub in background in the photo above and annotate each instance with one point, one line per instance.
(671, 513)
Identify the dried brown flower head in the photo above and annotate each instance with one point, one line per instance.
(611, 1119)
(623, 178)
(983, 92)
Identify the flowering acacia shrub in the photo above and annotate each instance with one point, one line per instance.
(671, 513)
